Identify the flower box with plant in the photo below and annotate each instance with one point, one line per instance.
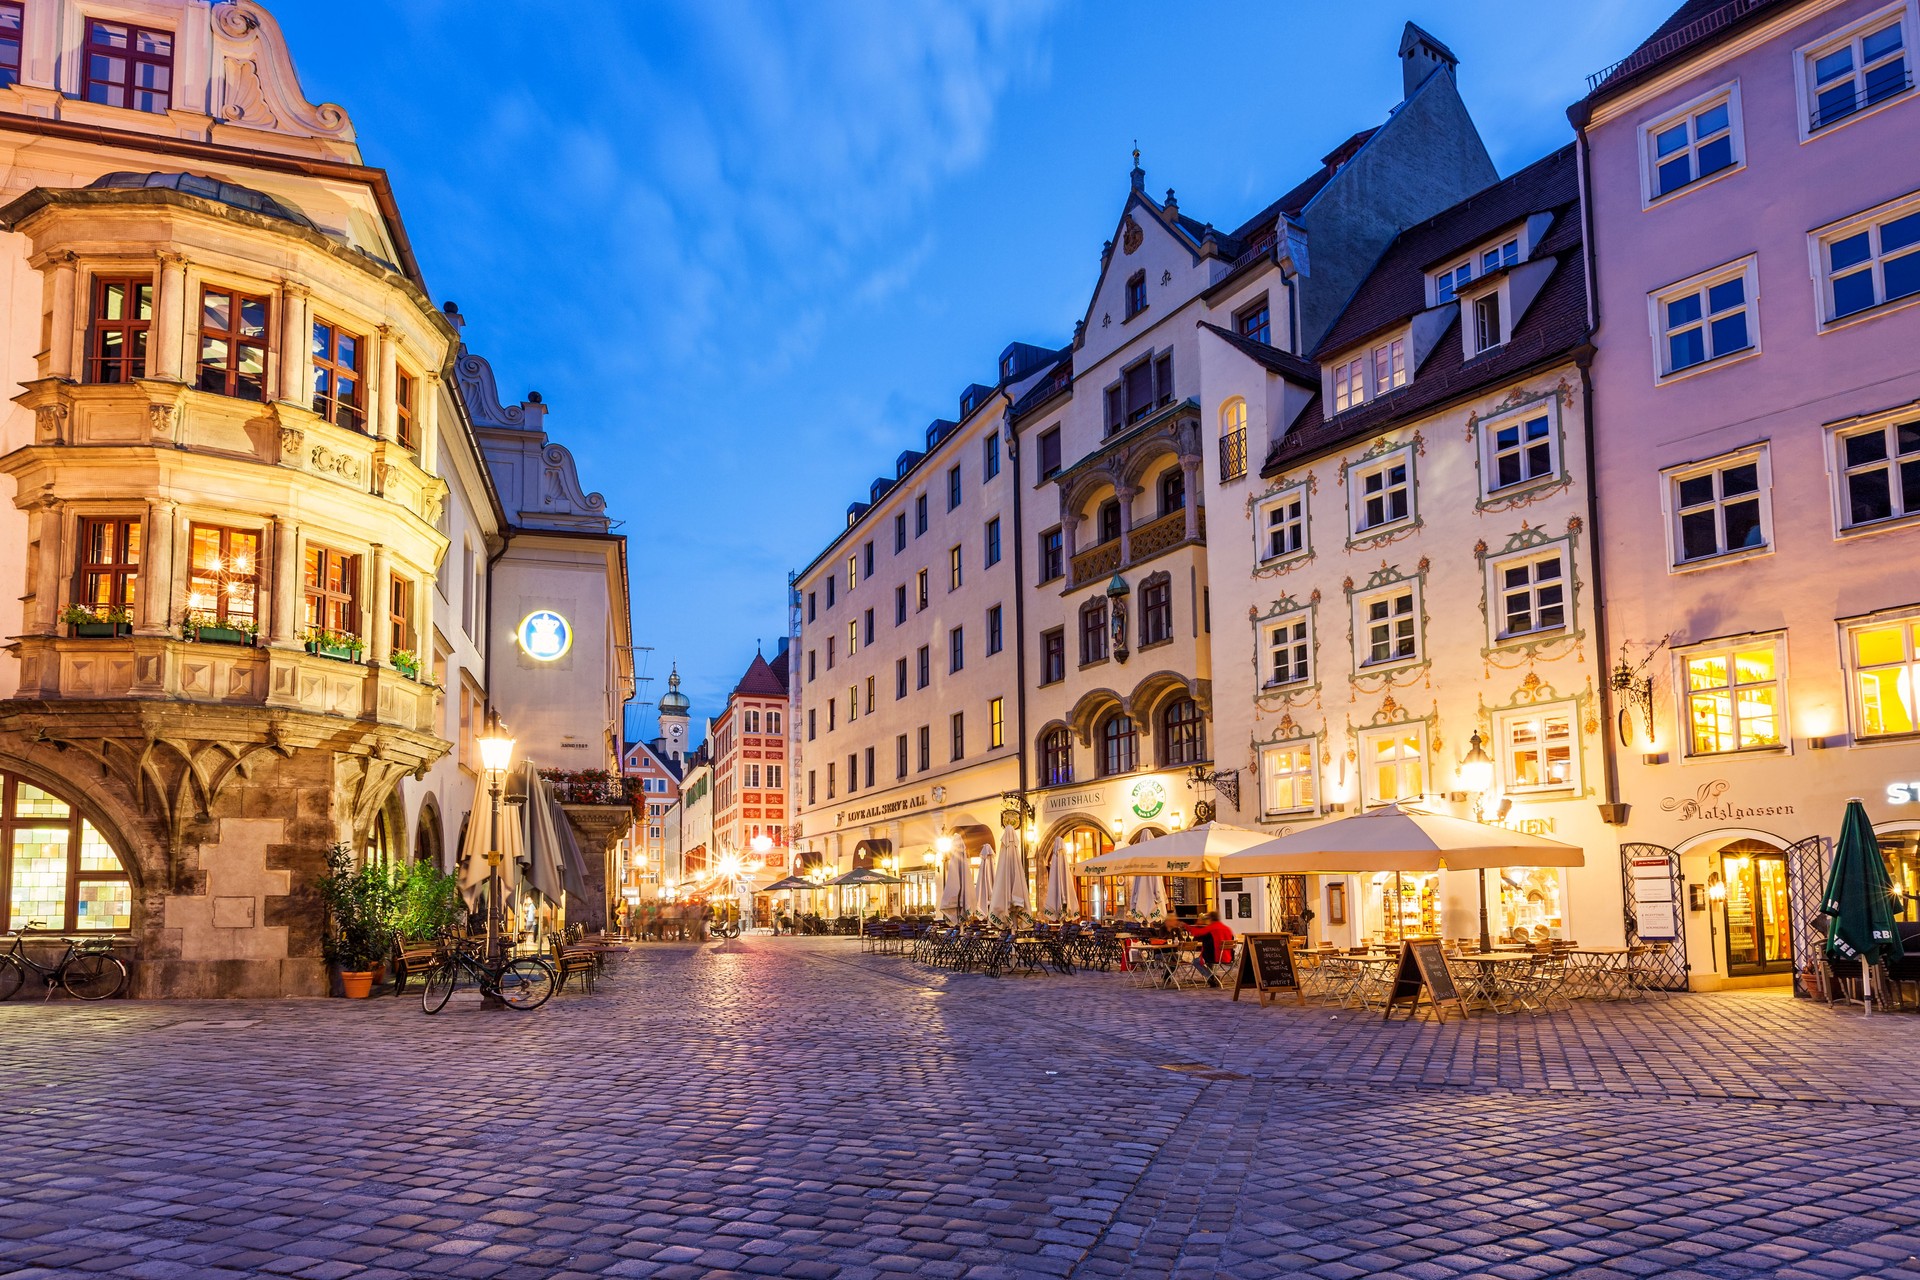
(406, 662)
(343, 646)
(360, 904)
(210, 628)
(97, 620)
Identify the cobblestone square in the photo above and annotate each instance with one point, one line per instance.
(794, 1107)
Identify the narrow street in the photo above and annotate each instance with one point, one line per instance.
(794, 1107)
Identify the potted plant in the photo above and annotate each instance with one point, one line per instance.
(209, 628)
(407, 663)
(343, 646)
(97, 620)
(359, 902)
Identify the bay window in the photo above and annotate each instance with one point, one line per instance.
(223, 575)
(339, 392)
(233, 344)
(117, 330)
(331, 581)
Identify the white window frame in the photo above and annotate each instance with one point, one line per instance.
(1347, 388)
(1302, 618)
(1887, 427)
(1903, 619)
(1490, 451)
(1262, 530)
(1370, 796)
(1650, 193)
(1906, 11)
(1504, 723)
(1357, 498)
(1562, 550)
(1470, 345)
(1474, 263)
(1869, 221)
(1731, 645)
(1353, 382)
(1304, 749)
(1745, 270)
(1670, 479)
(1394, 353)
(1362, 636)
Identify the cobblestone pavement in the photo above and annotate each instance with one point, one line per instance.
(792, 1107)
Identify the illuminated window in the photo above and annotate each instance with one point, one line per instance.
(223, 576)
(403, 410)
(1537, 749)
(1287, 778)
(1733, 698)
(1233, 439)
(1886, 677)
(59, 869)
(332, 587)
(1393, 763)
(109, 569)
(997, 723)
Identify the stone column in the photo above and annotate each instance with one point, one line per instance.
(380, 639)
(1126, 496)
(1190, 468)
(285, 605)
(52, 518)
(386, 418)
(66, 302)
(156, 570)
(426, 422)
(296, 339)
(166, 340)
(1069, 538)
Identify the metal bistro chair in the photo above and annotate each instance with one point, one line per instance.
(1536, 986)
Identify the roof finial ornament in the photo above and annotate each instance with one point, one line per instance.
(1139, 175)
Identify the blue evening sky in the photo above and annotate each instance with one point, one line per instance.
(747, 251)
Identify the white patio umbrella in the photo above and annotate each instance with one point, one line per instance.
(1396, 838)
(1195, 851)
(1148, 897)
(983, 884)
(473, 852)
(1010, 886)
(953, 884)
(1059, 898)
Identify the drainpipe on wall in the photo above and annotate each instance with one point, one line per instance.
(486, 654)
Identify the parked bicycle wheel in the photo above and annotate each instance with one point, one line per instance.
(438, 988)
(93, 975)
(526, 983)
(13, 976)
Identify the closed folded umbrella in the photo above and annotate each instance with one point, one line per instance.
(953, 885)
(1010, 890)
(1859, 900)
(1148, 898)
(1060, 898)
(983, 884)
(473, 853)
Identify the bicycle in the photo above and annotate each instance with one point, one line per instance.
(87, 969)
(724, 929)
(524, 983)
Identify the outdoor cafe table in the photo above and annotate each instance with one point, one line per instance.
(1486, 983)
(1162, 960)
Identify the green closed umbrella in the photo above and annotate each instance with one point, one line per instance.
(1859, 900)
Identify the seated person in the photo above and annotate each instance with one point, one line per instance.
(1216, 940)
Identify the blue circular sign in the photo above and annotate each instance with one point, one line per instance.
(545, 635)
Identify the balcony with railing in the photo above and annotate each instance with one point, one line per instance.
(1233, 454)
(1142, 543)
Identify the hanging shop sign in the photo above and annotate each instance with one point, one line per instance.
(1147, 798)
(544, 635)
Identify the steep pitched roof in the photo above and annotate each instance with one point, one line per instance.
(1395, 290)
(1396, 287)
(1272, 359)
(1696, 24)
(762, 681)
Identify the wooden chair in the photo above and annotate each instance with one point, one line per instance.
(568, 962)
(410, 958)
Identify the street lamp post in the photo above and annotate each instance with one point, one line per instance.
(1476, 775)
(496, 755)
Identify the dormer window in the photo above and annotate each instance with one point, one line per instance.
(1500, 255)
(1484, 333)
(1369, 374)
(1451, 281)
(129, 66)
(1136, 294)
(967, 403)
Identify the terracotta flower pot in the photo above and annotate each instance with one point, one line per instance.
(356, 986)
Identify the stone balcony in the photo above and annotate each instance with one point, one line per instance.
(1142, 543)
(61, 669)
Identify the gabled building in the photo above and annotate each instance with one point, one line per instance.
(1414, 570)
(1755, 214)
(653, 770)
(748, 747)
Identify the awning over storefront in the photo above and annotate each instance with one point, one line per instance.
(868, 852)
(1195, 851)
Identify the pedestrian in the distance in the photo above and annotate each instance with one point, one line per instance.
(1215, 939)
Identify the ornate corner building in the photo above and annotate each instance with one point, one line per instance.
(231, 396)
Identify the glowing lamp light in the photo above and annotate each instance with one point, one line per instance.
(496, 751)
(729, 865)
(943, 846)
(762, 845)
(1716, 887)
(1476, 771)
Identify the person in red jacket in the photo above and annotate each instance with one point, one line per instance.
(1216, 940)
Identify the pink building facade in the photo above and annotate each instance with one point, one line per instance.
(1753, 189)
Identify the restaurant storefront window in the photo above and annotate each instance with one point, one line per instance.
(59, 869)
(1100, 896)
(1902, 852)
(1531, 904)
(1403, 904)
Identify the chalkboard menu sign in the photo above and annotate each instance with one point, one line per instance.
(1266, 965)
(1423, 970)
